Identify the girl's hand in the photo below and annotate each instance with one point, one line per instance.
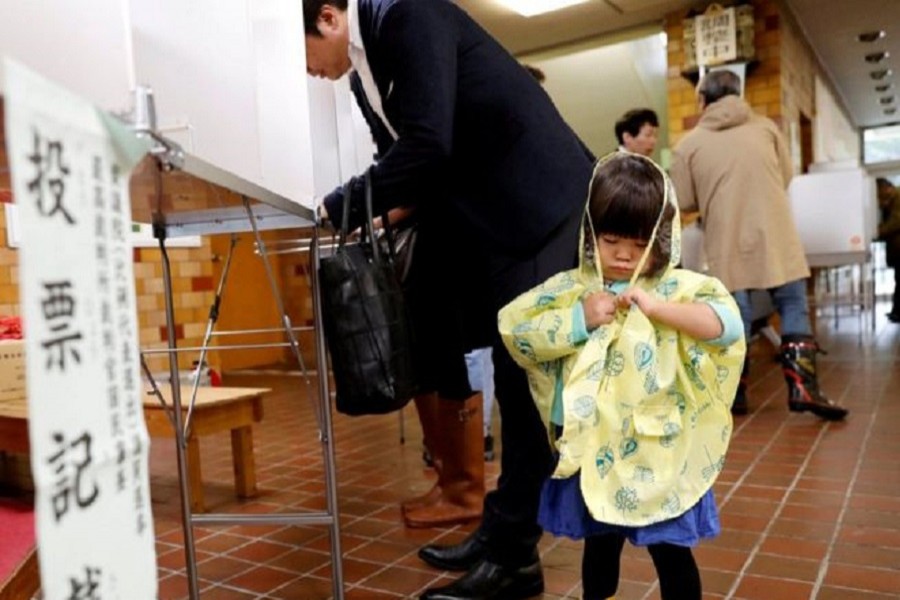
(642, 299)
(599, 309)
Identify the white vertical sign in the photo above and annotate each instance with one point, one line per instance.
(715, 33)
(70, 169)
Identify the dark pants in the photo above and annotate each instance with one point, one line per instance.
(895, 304)
(676, 568)
(510, 512)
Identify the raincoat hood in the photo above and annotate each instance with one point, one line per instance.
(725, 113)
(667, 232)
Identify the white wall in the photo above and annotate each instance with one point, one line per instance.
(834, 138)
(594, 83)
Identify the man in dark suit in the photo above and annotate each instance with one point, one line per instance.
(475, 140)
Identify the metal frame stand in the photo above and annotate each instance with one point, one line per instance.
(322, 408)
(861, 288)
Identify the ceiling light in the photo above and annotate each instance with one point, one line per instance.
(883, 87)
(886, 100)
(880, 74)
(530, 8)
(871, 36)
(877, 57)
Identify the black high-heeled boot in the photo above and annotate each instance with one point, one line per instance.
(798, 360)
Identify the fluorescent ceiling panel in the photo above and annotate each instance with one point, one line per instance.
(530, 8)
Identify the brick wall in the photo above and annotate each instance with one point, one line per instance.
(782, 85)
(298, 300)
(799, 69)
(192, 293)
(763, 88)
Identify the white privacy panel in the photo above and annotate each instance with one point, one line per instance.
(230, 85)
(341, 139)
(84, 46)
(835, 211)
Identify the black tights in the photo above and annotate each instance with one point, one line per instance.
(679, 578)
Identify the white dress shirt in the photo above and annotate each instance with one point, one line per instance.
(361, 65)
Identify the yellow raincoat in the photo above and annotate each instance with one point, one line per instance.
(646, 410)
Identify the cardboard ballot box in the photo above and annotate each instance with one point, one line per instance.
(12, 370)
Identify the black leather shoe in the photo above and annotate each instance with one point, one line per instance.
(458, 557)
(490, 581)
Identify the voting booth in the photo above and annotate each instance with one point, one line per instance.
(208, 95)
(836, 214)
(835, 209)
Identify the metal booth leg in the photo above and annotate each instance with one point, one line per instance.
(190, 556)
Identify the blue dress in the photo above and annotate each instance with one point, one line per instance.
(563, 512)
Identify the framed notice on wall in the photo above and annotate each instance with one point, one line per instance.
(715, 33)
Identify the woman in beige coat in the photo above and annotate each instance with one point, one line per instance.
(734, 168)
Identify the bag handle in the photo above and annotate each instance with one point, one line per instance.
(367, 230)
(345, 215)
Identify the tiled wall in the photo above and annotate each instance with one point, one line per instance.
(192, 294)
(298, 300)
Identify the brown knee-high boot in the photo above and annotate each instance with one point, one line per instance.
(427, 410)
(461, 472)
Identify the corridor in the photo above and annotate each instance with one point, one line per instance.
(809, 509)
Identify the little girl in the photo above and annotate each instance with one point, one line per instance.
(633, 364)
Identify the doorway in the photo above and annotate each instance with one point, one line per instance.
(806, 143)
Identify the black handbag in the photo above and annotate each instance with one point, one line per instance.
(366, 323)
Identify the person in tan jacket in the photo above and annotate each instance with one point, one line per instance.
(734, 168)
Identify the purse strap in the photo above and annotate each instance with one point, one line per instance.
(367, 230)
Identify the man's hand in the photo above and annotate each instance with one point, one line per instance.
(322, 213)
(599, 309)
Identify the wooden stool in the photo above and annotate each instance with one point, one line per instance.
(217, 409)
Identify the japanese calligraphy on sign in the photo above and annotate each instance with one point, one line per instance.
(86, 586)
(715, 34)
(70, 168)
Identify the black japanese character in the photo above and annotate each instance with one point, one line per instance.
(87, 588)
(51, 173)
(69, 484)
(59, 309)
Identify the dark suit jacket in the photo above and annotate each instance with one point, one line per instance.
(477, 134)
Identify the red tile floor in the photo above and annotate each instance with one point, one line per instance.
(809, 509)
